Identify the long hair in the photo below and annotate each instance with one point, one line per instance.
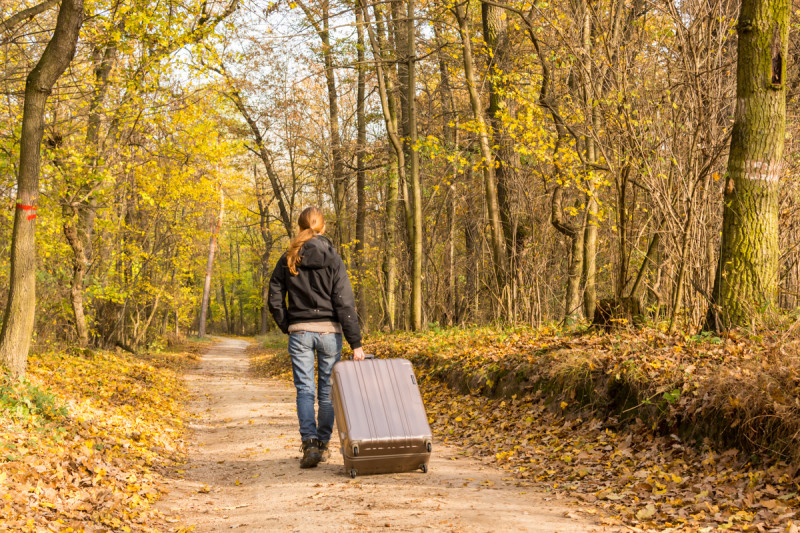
(311, 223)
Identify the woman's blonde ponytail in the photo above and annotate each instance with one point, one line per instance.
(311, 223)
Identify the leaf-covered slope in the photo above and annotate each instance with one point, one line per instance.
(737, 391)
(81, 442)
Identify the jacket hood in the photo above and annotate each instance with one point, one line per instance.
(317, 253)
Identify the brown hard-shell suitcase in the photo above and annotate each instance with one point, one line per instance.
(380, 416)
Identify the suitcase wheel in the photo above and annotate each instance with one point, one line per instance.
(353, 472)
(424, 468)
(428, 446)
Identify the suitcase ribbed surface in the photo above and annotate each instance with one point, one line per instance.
(379, 409)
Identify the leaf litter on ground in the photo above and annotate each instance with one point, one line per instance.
(86, 439)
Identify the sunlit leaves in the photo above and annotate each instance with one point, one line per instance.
(92, 465)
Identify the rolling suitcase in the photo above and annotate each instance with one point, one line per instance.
(380, 416)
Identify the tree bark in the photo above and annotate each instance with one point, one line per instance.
(450, 136)
(79, 266)
(81, 212)
(361, 174)
(386, 93)
(223, 297)
(15, 337)
(746, 281)
(572, 298)
(495, 224)
(649, 258)
(495, 35)
(589, 273)
(399, 29)
(212, 248)
(416, 189)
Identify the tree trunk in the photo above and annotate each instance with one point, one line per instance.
(622, 233)
(339, 177)
(495, 35)
(240, 330)
(8, 25)
(416, 189)
(212, 248)
(451, 259)
(746, 281)
(82, 210)
(495, 224)
(21, 306)
(266, 236)
(361, 174)
(400, 32)
(223, 297)
(79, 265)
(450, 136)
(649, 258)
(572, 298)
(591, 110)
(386, 93)
(272, 175)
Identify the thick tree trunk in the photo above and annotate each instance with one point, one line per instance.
(21, 306)
(747, 277)
(495, 35)
(495, 224)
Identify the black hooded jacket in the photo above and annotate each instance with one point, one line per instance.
(320, 291)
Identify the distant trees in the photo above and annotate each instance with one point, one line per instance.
(488, 161)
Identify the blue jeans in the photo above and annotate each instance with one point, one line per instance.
(304, 348)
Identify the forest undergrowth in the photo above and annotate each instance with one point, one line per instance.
(85, 439)
(654, 431)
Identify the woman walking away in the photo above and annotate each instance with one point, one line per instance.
(320, 308)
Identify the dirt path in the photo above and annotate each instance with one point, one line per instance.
(243, 473)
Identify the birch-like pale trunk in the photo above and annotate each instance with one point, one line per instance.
(212, 248)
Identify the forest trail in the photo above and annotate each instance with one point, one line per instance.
(243, 473)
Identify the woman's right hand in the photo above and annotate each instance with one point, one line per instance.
(358, 354)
